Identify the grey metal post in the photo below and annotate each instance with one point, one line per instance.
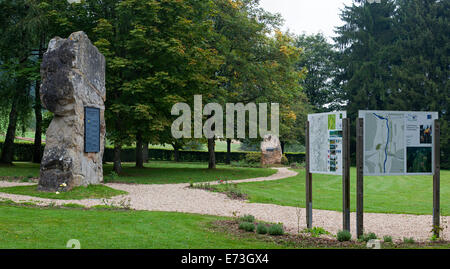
(360, 177)
(346, 174)
(308, 183)
(436, 179)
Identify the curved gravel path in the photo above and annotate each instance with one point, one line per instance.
(181, 198)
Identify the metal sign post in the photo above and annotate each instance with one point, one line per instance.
(308, 183)
(346, 174)
(436, 180)
(359, 177)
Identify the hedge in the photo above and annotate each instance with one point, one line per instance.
(23, 152)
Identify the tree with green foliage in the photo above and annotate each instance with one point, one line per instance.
(421, 62)
(318, 59)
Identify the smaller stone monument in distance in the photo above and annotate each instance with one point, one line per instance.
(271, 150)
(73, 88)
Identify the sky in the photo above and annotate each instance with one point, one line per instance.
(308, 16)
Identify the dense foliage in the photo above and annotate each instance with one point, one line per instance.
(392, 55)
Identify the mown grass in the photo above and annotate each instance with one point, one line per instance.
(170, 173)
(391, 194)
(31, 228)
(155, 172)
(77, 193)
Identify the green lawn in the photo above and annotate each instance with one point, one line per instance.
(393, 194)
(155, 172)
(170, 172)
(24, 227)
(78, 193)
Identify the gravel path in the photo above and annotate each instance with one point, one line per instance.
(180, 198)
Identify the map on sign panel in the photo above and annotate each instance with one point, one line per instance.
(397, 142)
(325, 142)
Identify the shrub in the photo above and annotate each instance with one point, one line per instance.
(276, 229)
(253, 157)
(343, 236)
(244, 163)
(262, 229)
(368, 237)
(284, 160)
(316, 231)
(247, 218)
(23, 152)
(387, 239)
(408, 240)
(247, 226)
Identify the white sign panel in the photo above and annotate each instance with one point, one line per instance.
(398, 142)
(325, 143)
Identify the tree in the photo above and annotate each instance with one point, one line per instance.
(318, 58)
(364, 62)
(421, 68)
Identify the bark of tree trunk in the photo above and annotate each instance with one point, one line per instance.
(117, 161)
(145, 152)
(228, 160)
(37, 147)
(8, 145)
(139, 152)
(176, 154)
(212, 154)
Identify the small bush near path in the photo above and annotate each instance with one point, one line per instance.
(343, 236)
(247, 218)
(247, 226)
(230, 189)
(367, 237)
(276, 229)
(316, 231)
(262, 228)
(387, 239)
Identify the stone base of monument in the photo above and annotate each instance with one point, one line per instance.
(73, 88)
(271, 150)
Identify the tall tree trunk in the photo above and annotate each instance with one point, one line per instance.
(139, 151)
(145, 152)
(228, 160)
(37, 147)
(212, 154)
(282, 146)
(37, 154)
(176, 153)
(8, 145)
(117, 161)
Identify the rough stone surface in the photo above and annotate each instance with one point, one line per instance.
(271, 150)
(73, 77)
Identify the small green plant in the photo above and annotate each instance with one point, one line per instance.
(276, 229)
(387, 239)
(253, 157)
(247, 218)
(434, 238)
(284, 160)
(247, 226)
(316, 231)
(408, 240)
(368, 237)
(344, 235)
(262, 229)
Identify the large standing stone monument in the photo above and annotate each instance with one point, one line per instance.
(271, 150)
(73, 88)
